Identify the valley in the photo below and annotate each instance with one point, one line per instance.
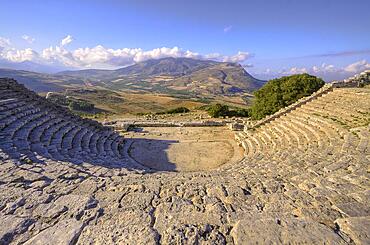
(151, 86)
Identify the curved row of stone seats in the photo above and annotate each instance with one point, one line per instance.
(322, 91)
(312, 133)
(33, 127)
(356, 81)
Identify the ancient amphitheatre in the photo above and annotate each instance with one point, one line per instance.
(303, 176)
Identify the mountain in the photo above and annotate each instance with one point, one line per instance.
(165, 66)
(42, 82)
(221, 78)
(184, 76)
(30, 66)
(175, 75)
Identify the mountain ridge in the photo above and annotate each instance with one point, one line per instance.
(165, 75)
(168, 66)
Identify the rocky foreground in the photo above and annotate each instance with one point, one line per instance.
(304, 179)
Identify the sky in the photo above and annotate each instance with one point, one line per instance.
(270, 38)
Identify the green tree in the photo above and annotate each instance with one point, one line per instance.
(174, 111)
(281, 92)
(80, 105)
(218, 110)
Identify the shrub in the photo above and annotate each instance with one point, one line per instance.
(281, 92)
(174, 111)
(58, 99)
(218, 110)
(80, 105)
(178, 110)
(240, 112)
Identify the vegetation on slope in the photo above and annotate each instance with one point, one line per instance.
(281, 92)
(80, 105)
(219, 110)
(176, 110)
(72, 103)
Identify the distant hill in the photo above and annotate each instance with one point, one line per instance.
(166, 75)
(165, 66)
(42, 82)
(30, 66)
(221, 78)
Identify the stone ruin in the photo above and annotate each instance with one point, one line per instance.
(356, 81)
(303, 180)
(33, 128)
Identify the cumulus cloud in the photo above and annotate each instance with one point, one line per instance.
(28, 39)
(67, 40)
(126, 56)
(15, 55)
(357, 66)
(239, 57)
(316, 70)
(327, 71)
(12, 54)
(324, 68)
(227, 28)
(294, 70)
(103, 57)
(163, 52)
(4, 43)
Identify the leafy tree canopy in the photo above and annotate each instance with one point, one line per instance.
(281, 92)
(175, 110)
(219, 110)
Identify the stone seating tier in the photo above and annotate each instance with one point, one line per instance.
(303, 180)
(40, 128)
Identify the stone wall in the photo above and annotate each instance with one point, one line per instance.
(124, 125)
(356, 81)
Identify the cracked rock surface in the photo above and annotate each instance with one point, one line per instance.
(67, 180)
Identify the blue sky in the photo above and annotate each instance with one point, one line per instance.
(271, 38)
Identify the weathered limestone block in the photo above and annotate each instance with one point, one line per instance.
(64, 232)
(191, 234)
(357, 228)
(11, 225)
(124, 227)
(284, 231)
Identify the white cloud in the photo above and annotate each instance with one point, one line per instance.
(324, 68)
(67, 40)
(327, 71)
(9, 53)
(294, 70)
(4, 42)
(238, 58)
(158, 53)
(357, 66)
(102, 57)
(227, 28)
(28, 39)
(122, 57)
(15, 55)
